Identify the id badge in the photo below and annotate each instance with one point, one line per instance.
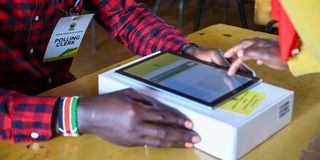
(66, 37)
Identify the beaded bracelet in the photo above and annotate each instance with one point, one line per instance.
(67, 115)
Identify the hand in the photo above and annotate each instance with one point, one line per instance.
(130, 118)
(212, 56)
(207, 55)
(264, 51)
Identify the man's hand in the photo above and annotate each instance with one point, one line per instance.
(207, 55)
(130, 118)
(264, 51)
(213, 56)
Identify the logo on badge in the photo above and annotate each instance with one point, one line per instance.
(72, 26)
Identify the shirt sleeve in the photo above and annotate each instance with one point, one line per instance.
(303, 63)
(135, 26)
(25, 118)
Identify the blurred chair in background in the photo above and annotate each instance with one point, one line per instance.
(241, 8)
(262, 16)
(262, 12)
(181, 9)
(242, 11)
(200, 8)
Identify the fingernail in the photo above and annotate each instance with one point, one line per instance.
(240, 54)
(188, 145)
(188, 124)
(195, 139)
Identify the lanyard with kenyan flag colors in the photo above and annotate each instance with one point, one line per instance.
(67, 35)
(289, 41)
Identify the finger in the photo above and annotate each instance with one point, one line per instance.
(131, 93)
(248, 53)
(160, 112)
(245, 69)
(167, 132)
(218, 58)
(259, 62)
(151, 103)
(235, 66)
(230, 83)
(157, 142)
(146, 101)
(168, 117)
(235, 49)
(160, 106)
(256, 53)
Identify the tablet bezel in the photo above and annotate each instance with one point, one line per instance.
(236, 91)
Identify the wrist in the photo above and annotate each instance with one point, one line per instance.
(83, 120)
(67, 116)
(56, 117)
(188, 49)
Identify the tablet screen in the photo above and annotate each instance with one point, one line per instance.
(188, 77)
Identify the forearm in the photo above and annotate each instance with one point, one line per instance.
(134, 26)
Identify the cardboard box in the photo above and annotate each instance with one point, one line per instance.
(225, 133)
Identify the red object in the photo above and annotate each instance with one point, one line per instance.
(288, 37)
(67, 119)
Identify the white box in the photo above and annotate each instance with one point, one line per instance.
(224, 134)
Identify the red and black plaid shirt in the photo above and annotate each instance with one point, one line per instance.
(25, 30)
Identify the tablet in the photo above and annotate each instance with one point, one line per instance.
(188, 77)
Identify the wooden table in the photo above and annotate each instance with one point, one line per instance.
(284, 145)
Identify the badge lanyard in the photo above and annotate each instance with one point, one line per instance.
(70, 12)
(76, 3)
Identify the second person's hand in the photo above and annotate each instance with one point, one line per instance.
(213, 56)
(264, 51)
(207, 54)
